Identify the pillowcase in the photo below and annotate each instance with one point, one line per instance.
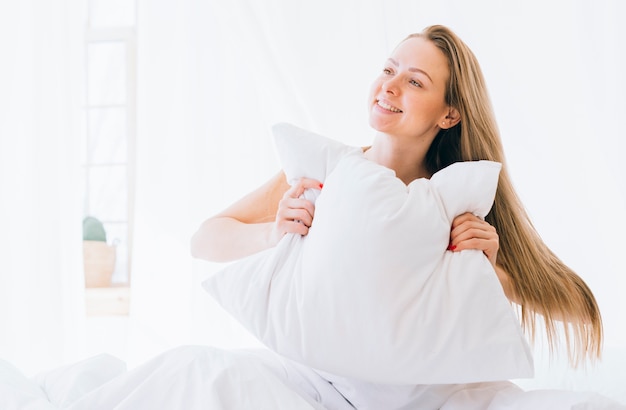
(372, 292)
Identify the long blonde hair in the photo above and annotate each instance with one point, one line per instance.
(542, 283)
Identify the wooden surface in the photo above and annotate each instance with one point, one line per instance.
(110, 301)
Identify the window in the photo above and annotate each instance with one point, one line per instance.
(109, 140)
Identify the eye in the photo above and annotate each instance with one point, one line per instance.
(415, 83)
(387, 71)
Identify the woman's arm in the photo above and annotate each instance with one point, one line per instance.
(256, 221)
(470, 232)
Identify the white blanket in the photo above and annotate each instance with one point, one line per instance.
(195, 377)
(189, 378)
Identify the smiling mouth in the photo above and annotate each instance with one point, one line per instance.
(387, 106)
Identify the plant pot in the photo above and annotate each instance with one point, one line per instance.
(99, 263)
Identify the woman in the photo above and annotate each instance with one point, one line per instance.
(430, 108)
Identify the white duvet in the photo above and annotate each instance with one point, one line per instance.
(189, 378)
(196, 377)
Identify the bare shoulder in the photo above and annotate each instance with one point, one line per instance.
(261, 204)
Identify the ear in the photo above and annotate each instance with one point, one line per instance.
(451, 119)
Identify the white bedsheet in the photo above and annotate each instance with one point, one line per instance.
(195, 377)
(189, 378)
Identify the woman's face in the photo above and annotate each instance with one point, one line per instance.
(408, 98)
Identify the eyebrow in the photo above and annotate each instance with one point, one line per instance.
(411, 69)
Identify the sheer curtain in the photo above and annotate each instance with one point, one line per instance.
(214, 76)
(41, 304)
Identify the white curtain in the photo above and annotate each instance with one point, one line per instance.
(213, 77)
(41, 305)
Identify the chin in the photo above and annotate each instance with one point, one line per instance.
(378, 125)
(375, 122)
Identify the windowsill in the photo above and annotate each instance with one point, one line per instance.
(111, 301)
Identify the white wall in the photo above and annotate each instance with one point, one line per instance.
(213, 76)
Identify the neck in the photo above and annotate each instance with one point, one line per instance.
(406, 158)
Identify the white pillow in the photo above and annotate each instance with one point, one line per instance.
(371, 292)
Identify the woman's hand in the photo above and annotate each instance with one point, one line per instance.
(471, 232)
(294, 215)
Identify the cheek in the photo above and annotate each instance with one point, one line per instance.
(428, 110)
(374, 88)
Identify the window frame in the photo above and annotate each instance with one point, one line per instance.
(128, 36)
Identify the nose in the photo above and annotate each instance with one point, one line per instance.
(390, 85)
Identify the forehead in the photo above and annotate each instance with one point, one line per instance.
(419, 52)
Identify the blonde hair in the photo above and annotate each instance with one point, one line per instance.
(542, 283)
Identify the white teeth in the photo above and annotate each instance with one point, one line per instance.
(388, 107)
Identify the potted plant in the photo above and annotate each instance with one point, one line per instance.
(98, 256)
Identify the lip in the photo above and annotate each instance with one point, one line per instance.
(386, 107)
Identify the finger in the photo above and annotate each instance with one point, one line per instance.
(299, 187)
(297, 215)
(296, 227)
(476, 228)
(466, 217)
(479, 225)
(488, 242)
(294, 192)
(297, 204)
(311, 183)
(475, 235)
(488, 245)
(285, 227)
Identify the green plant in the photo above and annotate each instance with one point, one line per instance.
(93, 230)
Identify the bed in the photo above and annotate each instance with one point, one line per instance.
(200, 377)
(345, 341)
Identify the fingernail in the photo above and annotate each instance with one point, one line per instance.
(451, 247)
(321, 185)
